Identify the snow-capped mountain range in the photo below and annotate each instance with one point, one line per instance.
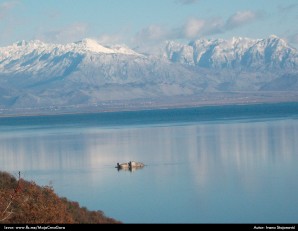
(36, 75)
(237, 53)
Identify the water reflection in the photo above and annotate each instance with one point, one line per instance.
(199, 168)
(131, 169)
(202, 146)
(241, 147)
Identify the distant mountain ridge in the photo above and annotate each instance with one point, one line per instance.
(239, 53)
(36, 75)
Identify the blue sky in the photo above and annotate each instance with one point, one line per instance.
(140, 23)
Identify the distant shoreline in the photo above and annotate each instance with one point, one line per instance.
(142, 107)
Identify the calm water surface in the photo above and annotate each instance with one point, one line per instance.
(228, 164)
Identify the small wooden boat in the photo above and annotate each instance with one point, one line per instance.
(131, 166)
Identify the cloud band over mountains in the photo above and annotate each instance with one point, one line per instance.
(197, 27)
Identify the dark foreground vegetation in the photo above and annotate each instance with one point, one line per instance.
(23, 202)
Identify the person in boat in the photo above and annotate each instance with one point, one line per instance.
(122, 166)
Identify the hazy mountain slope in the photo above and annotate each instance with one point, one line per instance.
(38, 75)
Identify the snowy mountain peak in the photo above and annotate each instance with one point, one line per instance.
(122, 49)
(93, 46)
(21, 43)
(278, 42)
(273, 36)
(22, 48)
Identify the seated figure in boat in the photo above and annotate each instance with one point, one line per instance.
(123, 166)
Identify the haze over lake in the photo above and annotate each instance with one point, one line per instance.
(220, 164)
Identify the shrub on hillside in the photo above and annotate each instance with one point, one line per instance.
(27, 203)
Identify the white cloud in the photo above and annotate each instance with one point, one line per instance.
(194, 27)
(110, 39)
(240, 18)
(200, 27)
(151, 34)
(149, 39)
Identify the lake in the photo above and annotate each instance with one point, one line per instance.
(216, 164)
